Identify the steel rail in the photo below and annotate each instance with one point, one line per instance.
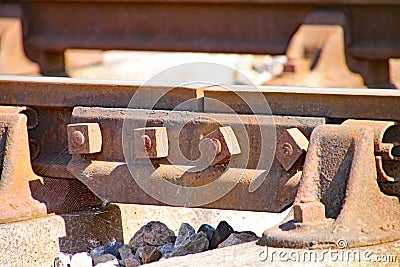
(340, 103)
(371, 28)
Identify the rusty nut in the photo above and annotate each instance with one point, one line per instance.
(150, 142)
(220, 144)
(291, 145)
(309, 212)
(84, 138)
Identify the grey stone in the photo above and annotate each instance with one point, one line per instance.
(222, 232)
(166, 249)
(238, 238)
(105, 258)
(195, 244)
(125, 252)
(152, 234)
(150, 254)
(82, 259)
(207, 229)
(40, 238)
(112, 248)
(138, 253)
(96, 252)
(185, 232)
(132, 262)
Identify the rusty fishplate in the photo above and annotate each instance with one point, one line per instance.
(194, 149)
(339, 182)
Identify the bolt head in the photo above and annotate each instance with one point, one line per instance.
(150, 142)
(77, 139)
(146, 142)
(212, 145)
(287, 149)
(221, 144)
(291, 145)
(84, 138)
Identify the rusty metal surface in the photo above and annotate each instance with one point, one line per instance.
(69, 93)
(54, 110)
(151, 142)
(316, 54)
(85, 138)
(319, 102)
(107, 175)
(323, 102)
(16, 171)
(291, 146)
(263, 27)
(339, 197)
(13, 60)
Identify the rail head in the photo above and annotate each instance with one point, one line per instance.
(299, 101)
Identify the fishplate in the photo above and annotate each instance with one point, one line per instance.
(179, 153)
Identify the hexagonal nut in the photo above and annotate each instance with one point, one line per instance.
(84, 138)
(150, 142)
(309, 212)
(291, 145)
(222, 143)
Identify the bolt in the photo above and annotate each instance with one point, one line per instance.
(287, 149)
(150, 142)
(146, 141)
(291, 145)
(212, 145)
(84, 138)
(220, 144)
(77, 139)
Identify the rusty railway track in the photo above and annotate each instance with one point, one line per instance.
(370, 29)
(334, 104)
(321, 149)
(331, 153)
